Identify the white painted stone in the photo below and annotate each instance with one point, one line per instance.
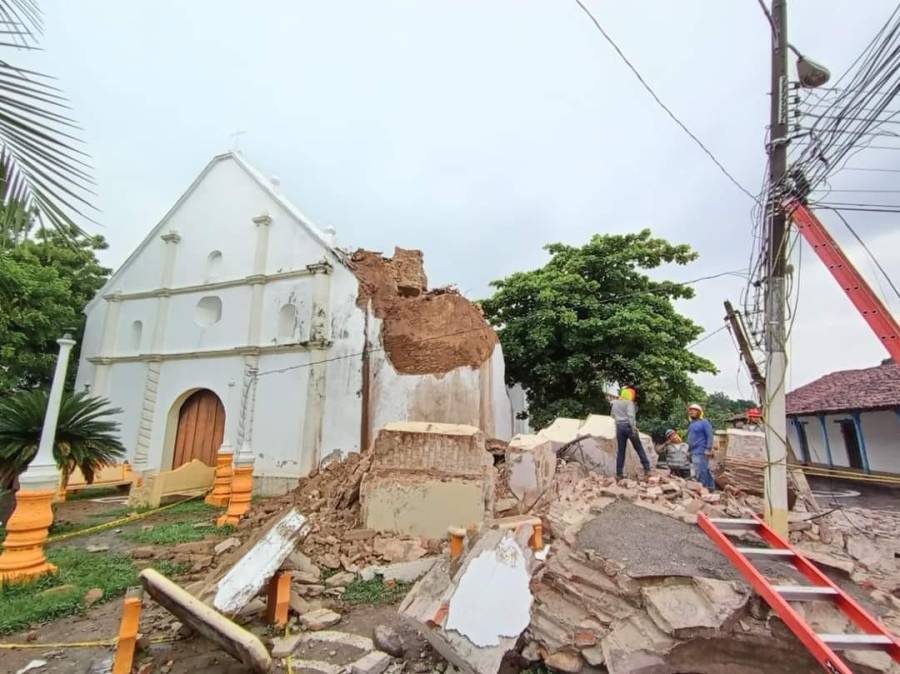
(254, 569)
(337, 638)
(492, 599)
(371, 663)
(405, 572)
(561, 431)
(530, 467)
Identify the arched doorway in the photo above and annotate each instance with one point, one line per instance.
(201, 425)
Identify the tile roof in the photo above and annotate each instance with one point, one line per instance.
(872, 388)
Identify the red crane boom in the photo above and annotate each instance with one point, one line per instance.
(864, 299)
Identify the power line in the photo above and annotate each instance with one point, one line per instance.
(703, 339)
(663, 105)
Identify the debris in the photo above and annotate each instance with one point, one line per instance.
(284, 646)
(340, 579)
(96, 548)
(92, 596)
(530, 466)
(405, 572)
(319, 619)
(371, 663)
(246, 578)
(226, 545)
(565, 661)
(31, 666)
(337, 638)
(426, 477)
(59, 589)
(236, 641)
(473, 615)
(387, 639)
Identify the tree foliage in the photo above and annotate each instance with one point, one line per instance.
(591, 319)
(45, 282)
(86, 436)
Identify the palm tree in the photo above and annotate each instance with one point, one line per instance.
(41, 168)
(86, 438)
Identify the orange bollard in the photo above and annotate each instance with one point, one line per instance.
(537, 537)
(221, 491)
(128, 632)
(241, 493)
(278, 599)
(23, 557)
(457, 541)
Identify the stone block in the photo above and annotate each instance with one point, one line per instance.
(561, 431)
(321, 619)
(424, 506)
(530, 467)
(405, 572)
(371, 663)
(597, 448)
(439, 449)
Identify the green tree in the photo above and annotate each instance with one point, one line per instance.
(86, 436)
(45, 282)
(590, 319)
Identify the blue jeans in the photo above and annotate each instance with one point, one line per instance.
(700, 463)
(624, 433)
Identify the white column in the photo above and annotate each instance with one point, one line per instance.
(41, 473)
(154, 366)
(100, 386)
(319, 331)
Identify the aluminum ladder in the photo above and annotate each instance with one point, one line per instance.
(872, 636)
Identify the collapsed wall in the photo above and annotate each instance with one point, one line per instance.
(432, 356)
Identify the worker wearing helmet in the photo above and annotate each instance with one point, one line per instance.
(625, 415)
(677, 454)
(700, 442)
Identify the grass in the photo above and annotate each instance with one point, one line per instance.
(375, 591)
(172, 533)
(92, 492)
(23, 605)
(169, 568)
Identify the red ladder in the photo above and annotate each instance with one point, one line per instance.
(874, 636)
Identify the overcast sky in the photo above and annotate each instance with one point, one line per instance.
(476, 130)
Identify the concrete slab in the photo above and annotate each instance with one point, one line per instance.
(405, 572)
(234, 640)
(423, 506)
(561, 431)
(530, 467)
(252, 571)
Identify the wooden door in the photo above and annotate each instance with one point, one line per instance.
(201, 426)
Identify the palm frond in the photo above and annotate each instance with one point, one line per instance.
(42, 168)
(86, 437)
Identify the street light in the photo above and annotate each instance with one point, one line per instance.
(810, 73)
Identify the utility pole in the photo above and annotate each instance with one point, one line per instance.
(740, 334)
(776, 502)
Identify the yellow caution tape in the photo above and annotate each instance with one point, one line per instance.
(134, 517)
(847, 474)
(82, 644)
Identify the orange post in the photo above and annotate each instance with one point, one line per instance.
(128, 633)
(278, 599)
(537, 536)
(221, 490)
(241, 492)
(457, 541)
(23, 557)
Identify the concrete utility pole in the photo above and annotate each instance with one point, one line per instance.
(776, 501)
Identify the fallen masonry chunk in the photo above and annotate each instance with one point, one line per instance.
(259, 564)
(371, 663)
(405, 572)
(226, 545)
(284, 646)
(387, 639)
(340, 579)
(336, 638)
(96, 548)
(473, 610)
(92, 596)
(234, 640)
(320, 619)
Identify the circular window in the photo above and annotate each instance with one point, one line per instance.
(208, 311)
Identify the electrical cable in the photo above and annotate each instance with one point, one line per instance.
(662, 105)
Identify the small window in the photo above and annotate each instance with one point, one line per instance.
(287, 321)
(208, 311)
(137, 331)
(214, 264)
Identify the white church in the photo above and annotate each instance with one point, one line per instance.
(237, 319)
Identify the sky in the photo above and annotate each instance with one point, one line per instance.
(477, 131)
